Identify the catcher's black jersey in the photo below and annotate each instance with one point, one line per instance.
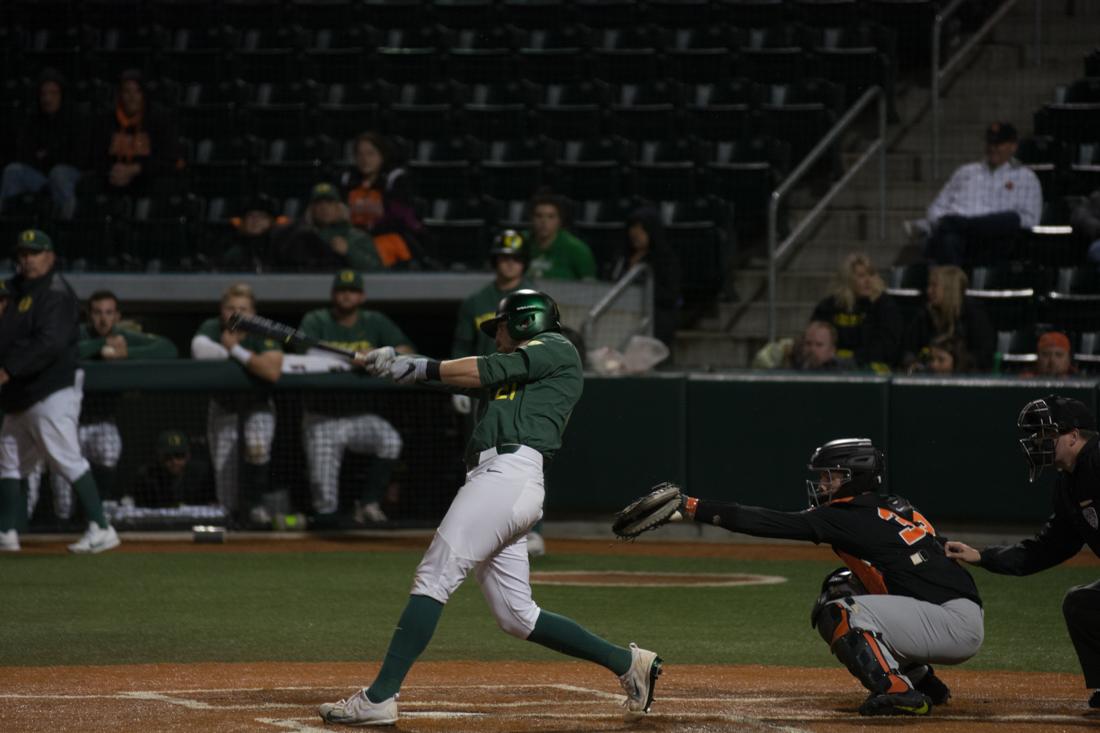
(889, 544)
(1074, 522)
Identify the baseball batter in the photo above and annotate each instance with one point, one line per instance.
(1059, 432)
(224, 429)
(528, 390)
(328, 427)
(912, 605)
(41, 405)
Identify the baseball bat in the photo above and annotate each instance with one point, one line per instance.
(288, 335)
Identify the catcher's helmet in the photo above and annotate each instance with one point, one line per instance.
(858, 463)
(511, 243)
(1042, 421)
(527, 313)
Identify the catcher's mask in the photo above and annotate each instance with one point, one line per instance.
(1042, 421)
(855, 461)
(527, 313)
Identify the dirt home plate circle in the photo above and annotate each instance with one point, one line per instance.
(617, 578)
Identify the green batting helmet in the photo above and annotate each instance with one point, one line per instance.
(527, 314)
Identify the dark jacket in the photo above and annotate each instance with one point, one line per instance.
(149, 140)
(280, 249)
(665, 267)
(869, 333)
(1074, 523)
(155, 486)
(38, 337)
(973, 327)
(48, 140)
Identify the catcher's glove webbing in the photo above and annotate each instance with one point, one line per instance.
(660, 506)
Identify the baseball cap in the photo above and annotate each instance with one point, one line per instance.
(509, 242)
(261, 202)
(1069, 413)
(347, 280)
(1054, 339)
(324, 192)
(172, 442)
(1000, 132)
(35, 240)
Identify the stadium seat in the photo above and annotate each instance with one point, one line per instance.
(591, 168)
(664, 169)
(625, 55)
(182, 14)
(1087, 353)
(269, 54)
(1069, 122)
(119, 48)
(646, 111)
(511, 168)
(465, 13)
(699, 55)
(513, 214)
(1084, 169)
(801, 113)
(479, 55)
(291, 167)
(317, 15)
(198, 54)
(1041, 153)
(1008, 293)
(497, 111)
(572, 111)
(222, 167)
(408, 56)
(212, 110)
(420, 111)
(400, 14)
(744, 172)
(64, 49)
(601, 224)
(346, 110)
(52, 15)
(1092, 63)
(163, 232)
(281, 110)
(750, 13)
(534, 13)
(772, 54)
(907, 285)
(697, 230)
(607, 13)
(551, 55)
(252, 13)
(458, 230)
(442, 167)
(1083, 91)
(682, 14)
(1073, 302)
(95, 238)
(723, 111)
(911, 22)
(1017, 348)
(338, 54)
(826, 13)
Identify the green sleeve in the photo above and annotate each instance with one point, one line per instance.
(362, 254)
(310, 325)
(258, 344)
(501, 368)
(148, 346)
(89, 348)
(391, 334)
(211, 328)
(583, 263)
(465, 340)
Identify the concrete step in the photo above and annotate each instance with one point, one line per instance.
(709, 350)
(861, 224)
(790, 318)
(827, 255)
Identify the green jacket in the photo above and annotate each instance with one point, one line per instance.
(362, 254)
(138, 345)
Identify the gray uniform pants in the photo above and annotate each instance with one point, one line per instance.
(916, 632)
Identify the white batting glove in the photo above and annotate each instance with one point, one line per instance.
(377, 361)
(408, 369)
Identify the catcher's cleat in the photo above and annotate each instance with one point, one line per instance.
(934, 688)
(1094, 701)
(910, 702)
(360, 711)
(640, 679)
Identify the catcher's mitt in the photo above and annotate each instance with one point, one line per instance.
(660, 506)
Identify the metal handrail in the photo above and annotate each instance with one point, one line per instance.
(603, 304)
(939, 75)
(779, 251)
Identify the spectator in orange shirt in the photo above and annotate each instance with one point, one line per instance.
(1054, 357)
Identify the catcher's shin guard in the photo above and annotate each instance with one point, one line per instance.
(860, 651)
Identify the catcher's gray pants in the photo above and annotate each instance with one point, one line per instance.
(224, 433)
(325, 439)
(917, 632)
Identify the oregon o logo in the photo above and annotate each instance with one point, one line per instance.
(25, 304)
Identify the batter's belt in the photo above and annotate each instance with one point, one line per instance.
(474, 458)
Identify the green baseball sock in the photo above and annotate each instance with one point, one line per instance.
(10, 496)
(568, 637)
(414, 631)
(88, 494)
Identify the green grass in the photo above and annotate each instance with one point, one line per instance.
(136, 608)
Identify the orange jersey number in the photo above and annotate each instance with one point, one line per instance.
(912, 532)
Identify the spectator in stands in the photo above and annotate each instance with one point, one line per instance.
(949, 312)
(330, 427)
(264, 241)
(867, 320)
(1085, 219)
(350, 246)
(380, 201)
(509, 257)
(983, 202)
(48, 149)
(246, 500)
(645, 243)
(555, 253)
(1055, 357)
(175, 476)
(136, 145)
(947, 355)
(817, 351)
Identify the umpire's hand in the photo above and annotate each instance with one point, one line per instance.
(962, 551)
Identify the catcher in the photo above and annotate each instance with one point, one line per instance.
(902, 606)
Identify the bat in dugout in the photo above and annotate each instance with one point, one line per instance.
(288, 335)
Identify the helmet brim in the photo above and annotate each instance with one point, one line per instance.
(489, 327)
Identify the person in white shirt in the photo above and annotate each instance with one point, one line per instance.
(984, 203)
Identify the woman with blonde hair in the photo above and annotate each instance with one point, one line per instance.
(867, 320)
(949, 312)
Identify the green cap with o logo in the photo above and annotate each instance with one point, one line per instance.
(324, 192)
(171, 443)
(347, 280)
(34, 240)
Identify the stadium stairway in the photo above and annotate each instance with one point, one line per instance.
(999, 82)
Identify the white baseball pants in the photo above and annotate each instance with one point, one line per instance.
(325, 439)
(223, 435)
(45, 430)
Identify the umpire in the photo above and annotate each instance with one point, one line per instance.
(38, 347)
(1059, 432)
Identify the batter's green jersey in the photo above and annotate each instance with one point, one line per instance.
(370, 330)
(212, 329)
(475, 310)
(528, 395)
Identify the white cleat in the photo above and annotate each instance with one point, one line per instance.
(9, 541)
(372, 512)
(640, 679)
(359, 710)
(96, 540)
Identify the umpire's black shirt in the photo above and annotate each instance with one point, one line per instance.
(38, 335)
(1075, 522)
